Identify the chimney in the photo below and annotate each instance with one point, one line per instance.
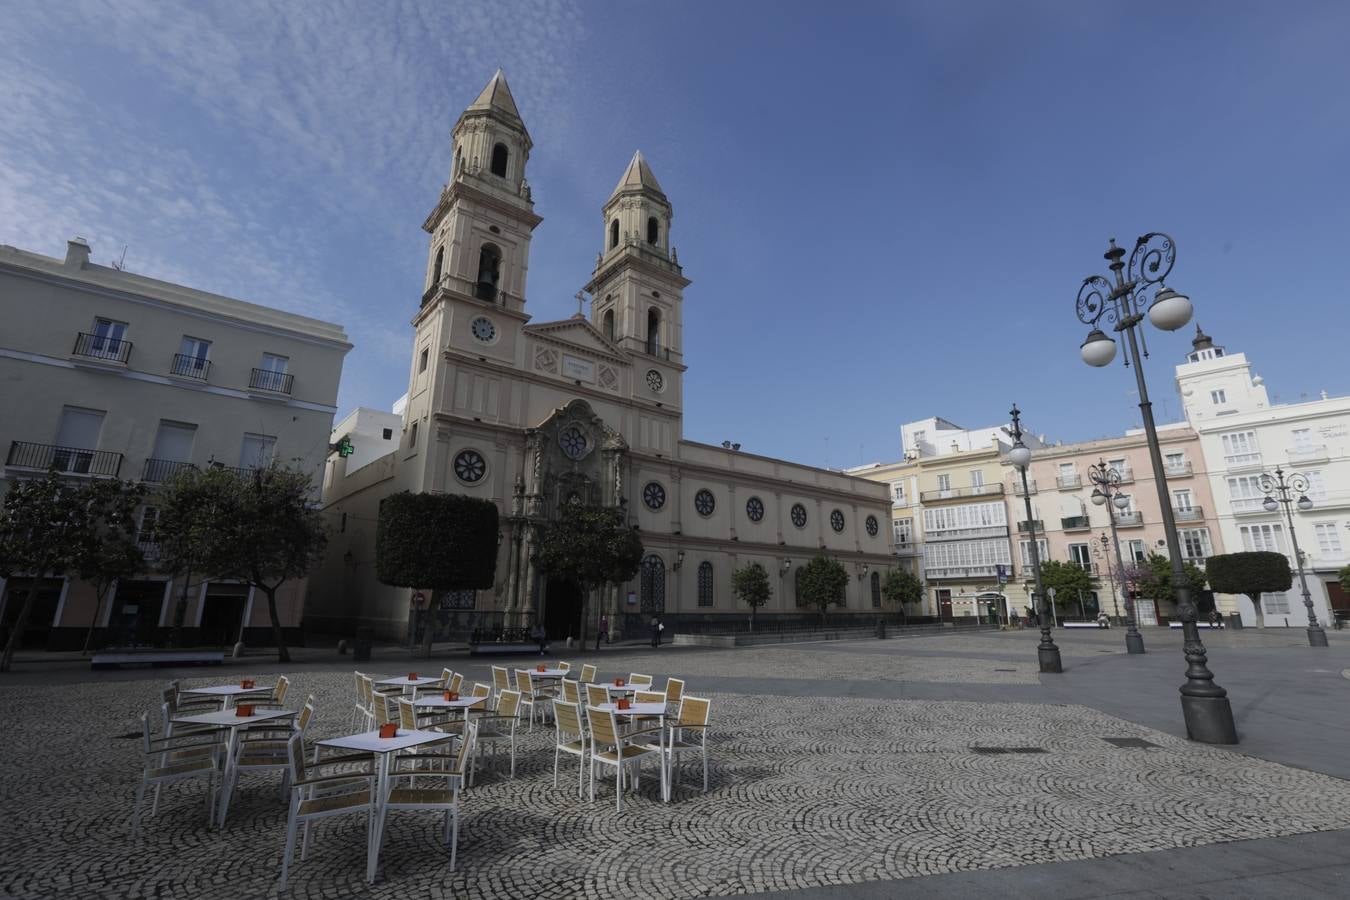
(77, 252)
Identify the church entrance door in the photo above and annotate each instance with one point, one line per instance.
(562, 608)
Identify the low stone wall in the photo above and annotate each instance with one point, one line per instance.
(745, 639)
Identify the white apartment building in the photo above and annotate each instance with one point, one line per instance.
(109, 374)
(1243, 435)
(372, 433)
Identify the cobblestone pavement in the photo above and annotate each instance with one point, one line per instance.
(803, 792)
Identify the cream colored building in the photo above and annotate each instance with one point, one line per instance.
(112, 374)
(534, 414)
(1243, 434)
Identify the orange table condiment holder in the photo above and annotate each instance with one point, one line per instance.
(452, 695)
(244, 711)
(539, 669)
(412, 676)
(623, 703)
(388, 730)
(618, 682)
(246, 683)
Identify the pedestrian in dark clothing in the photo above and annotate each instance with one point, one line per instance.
(603, 632)
(655, 625)
(538, 634)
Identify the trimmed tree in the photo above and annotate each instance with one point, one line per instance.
(42, 525)
(1251, 573)
(592, 546)
(901, 587)
(442, 542)
(1344, 576)
(1153, 578)
(751, 584)
(823, 582)
(109, 550)
(1069, 580)
(188, 527)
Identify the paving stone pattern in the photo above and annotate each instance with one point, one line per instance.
(803, 793)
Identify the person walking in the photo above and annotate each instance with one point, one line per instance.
(655, 625)
(603, 631)
(537, 633)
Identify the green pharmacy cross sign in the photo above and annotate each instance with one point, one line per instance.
(344, 447)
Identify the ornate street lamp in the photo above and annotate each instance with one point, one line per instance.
(1020, 456)
(1122, 303)
(1281, 490)
(1106, 492)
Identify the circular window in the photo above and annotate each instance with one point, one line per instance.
(798, 515)
(655, 381)
(483, 329)
(470, 467)
(654, 495)
(573, 442)
(872, 525)
(704, 502)
(837, 520)
(754, 508)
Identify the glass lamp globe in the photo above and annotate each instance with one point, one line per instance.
(1170, 310)
(1098, 349)
(1098, 497)
(1121, 501)
(1304, 504)
(1270, 504)
(1020, 455)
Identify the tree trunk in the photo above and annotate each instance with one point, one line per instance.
(1256, 608)
(581, 625)
(427, 624)
(753, 607)
(93, 623)
(283, 655)
(20, 624)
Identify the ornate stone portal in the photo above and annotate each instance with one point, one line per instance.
(572, 457)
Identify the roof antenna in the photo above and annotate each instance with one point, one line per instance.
(121, 263)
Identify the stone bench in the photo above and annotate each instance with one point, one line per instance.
(1197, 625)
(1079, 625)
(493, 648)
(115, 660)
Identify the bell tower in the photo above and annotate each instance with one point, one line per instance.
(480, 229)
(637, 287)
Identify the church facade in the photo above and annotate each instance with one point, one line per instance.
(533, 415)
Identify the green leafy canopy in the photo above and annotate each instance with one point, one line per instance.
(751, 584)
(445, 542)
(590, 545)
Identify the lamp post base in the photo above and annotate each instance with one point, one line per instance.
(1049, 659)
(1209, 720)
(1316, 636)
(1134, 642)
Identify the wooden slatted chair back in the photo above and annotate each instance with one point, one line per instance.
(508, 704)
(587, 673)
(455, 682)
(295, 756)
(639, 680)
(279, 692)
(381, 710)
(674, 690)
(649, 697)
(444, 681)
(407, 715)
(481, 690)
(367, 691)
(596, 694)
(567, 716)
(604, 730)
(571, 691)
(500, 680)
(565, 666)
(465, 750)
(306, 715)
(694, 711)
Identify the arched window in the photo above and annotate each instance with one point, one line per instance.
(797, 587)
(436, 268)
(653, 584)
(876, 590)
(705, 584)
(653, 230)
(653, 331)
(613, 234)
(489, 272)
(609, 323)
(499, 157)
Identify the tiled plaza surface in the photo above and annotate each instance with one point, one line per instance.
(804, 792)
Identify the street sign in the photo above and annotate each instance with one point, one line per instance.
(1002, 573)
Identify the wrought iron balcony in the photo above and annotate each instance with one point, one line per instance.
(101, 347)
(977, 490)
(1129, 519)
(1068, 482)
(70, 460)
(1189, 514)
(1178, 470)
(1126, 475)
(148, 545)
(1075, 523)
(268, 380)
(1239, 461)
(157, 471)
(1300, 455)
(1017, 487)
(190, 366)
(1026, 526)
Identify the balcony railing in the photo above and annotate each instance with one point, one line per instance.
(97, 346)
(1017, 487)
(931, 572)
(71, 460)
(148, 545)
(190, 366)
(267, 380)
(157, 471)
(1243, 461)
(977, 490)
(1126, 475)
(1068, 482)
(1189, 514)
(1129, 519)
(1026, 526)
(1309, 454)
(906, 548)
(1248, 505)
(1075, 523)
(1177, 470)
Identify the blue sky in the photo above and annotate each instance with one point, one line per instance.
(886, 209)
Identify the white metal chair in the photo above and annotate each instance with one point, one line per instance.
(611, 748)
(446, 768)
(693, 719)
(172, 759)
(638, 680)
(570, 738)
(265, 747)
(315, 796)
(587, 673)
(498, 728)
(531, 697)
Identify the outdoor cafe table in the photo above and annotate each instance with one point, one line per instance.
(383, 748)
(229, 718)
(226, 692)
(438, 701)
(409, 685)
(547, 673)
(658, 711)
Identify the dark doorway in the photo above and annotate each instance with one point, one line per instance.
(562, 609)
(39, 618)
(135, 612)
(222, 613)
(944, 599)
